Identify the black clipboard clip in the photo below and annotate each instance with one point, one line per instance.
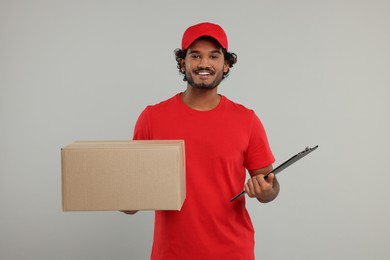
(283, 166)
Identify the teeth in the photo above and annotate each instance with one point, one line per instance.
(204, 73)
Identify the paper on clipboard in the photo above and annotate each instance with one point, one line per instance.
(283, 166)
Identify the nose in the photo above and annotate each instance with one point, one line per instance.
(204, 63)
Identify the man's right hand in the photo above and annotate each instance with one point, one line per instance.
(129, 212)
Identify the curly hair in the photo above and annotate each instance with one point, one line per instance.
(180, 55)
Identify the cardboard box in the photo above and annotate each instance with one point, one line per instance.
(123, 175)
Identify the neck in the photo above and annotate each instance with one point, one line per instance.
(201, 99)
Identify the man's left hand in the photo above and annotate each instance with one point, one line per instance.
(264, 189)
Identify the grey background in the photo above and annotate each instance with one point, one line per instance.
(316, 72)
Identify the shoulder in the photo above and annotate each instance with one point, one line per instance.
(238, 108)
(163, 105)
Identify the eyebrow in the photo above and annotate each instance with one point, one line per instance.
(196, 51)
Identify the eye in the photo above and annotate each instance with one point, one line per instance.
(194, 56)
(214, 57)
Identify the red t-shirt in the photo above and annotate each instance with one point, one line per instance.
(220, 144)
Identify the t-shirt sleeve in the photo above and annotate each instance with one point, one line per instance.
(142, 129)
(258, 154)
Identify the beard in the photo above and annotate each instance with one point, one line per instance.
(203, 85)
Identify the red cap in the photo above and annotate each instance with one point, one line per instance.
(204, 29)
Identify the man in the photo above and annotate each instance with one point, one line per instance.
(223, 140)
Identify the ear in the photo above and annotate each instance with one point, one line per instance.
(226, 67)
(183, 66)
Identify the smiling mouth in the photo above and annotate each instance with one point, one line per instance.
(204, 73)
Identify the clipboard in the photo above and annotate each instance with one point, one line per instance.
(283, 166)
